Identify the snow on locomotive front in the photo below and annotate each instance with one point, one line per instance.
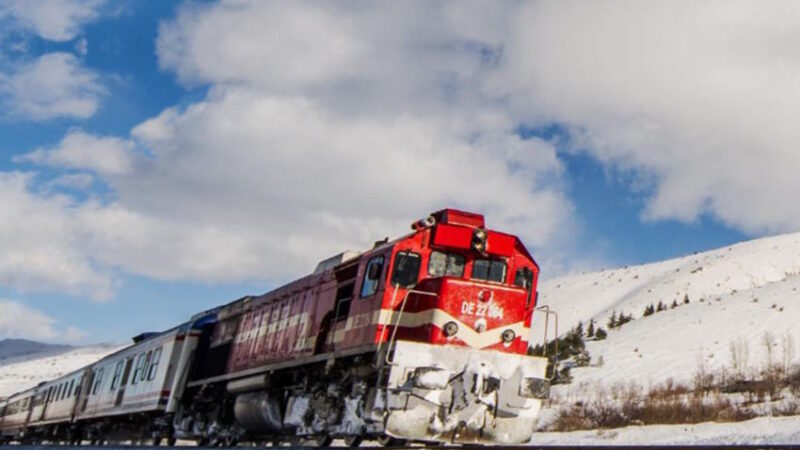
(456, 335)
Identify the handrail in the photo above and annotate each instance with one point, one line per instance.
(547, 313)
(399, 316)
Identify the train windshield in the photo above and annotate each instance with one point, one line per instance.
(446, 264)
(406, 269)
(489, 270)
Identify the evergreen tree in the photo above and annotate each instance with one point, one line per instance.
(649, 310)
(590, 329)
(661, 306)
(600, 334)
(612, 321)
(623, 319)
(674, 304)
(686, 299)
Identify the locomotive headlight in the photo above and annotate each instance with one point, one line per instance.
(450, 329)
(479, 240)
(508, 336)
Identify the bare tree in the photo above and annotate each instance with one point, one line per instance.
(787, 345)
(769, 342)
(740, 352)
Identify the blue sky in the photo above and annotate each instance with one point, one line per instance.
(161, 158)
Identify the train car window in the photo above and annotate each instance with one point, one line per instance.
(151, 373)
(406, 269)
(523, 278)
(446, 264)
(98, 379)
(62, 392)
(372, 276)
(71, 389)
(489, 270)
(146, 366)
(139, 367)
(117, 375)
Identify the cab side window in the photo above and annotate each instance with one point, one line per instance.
(406, 269)
(372, 276)
(523, 278)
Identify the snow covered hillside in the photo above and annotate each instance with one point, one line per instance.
(10, 348)
(29, 363)
(743, 312)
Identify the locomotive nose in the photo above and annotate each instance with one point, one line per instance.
(478, 315)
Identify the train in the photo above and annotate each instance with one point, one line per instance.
(423, 338)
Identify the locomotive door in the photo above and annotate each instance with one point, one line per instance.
(367, 309)
(125, 374)
(333, 327)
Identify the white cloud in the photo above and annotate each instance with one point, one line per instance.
(365, 58)
(301, 151)
(79, 150)
(77, 181)
(697, 99)
(227, 198)
(327, 123)
(20, 321)
(54, 85)
(332, 148)
(43, 248)
(55, 20)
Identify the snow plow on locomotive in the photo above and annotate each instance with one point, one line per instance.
(423, 338)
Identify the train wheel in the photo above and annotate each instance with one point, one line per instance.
(353, 441)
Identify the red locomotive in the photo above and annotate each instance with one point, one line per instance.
(420, 338)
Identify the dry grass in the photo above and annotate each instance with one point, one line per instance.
(667, 404)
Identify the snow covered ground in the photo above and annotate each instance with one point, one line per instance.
(760, 431)
(740, 298)
(743, 314)
(18, 373)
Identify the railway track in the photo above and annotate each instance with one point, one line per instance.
(447, 447)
